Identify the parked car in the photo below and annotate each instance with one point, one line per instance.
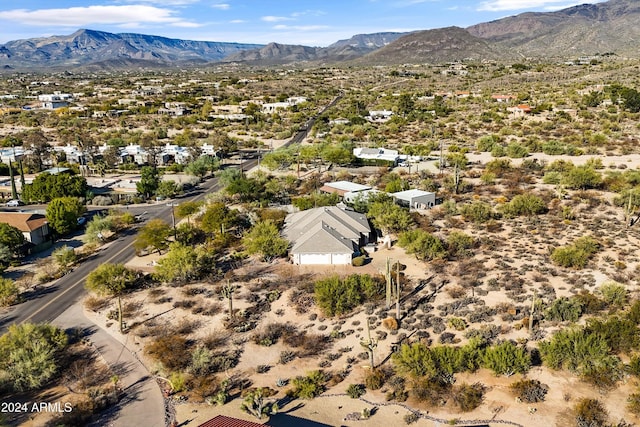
(14, 203)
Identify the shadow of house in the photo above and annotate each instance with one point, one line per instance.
(287, 420)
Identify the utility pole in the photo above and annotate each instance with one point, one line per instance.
(398, 290)
(387, 276)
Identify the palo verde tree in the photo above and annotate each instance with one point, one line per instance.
(264, 239)
(30, 354)
(153, 236)
(111, 280)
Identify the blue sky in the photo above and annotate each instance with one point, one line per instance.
(308, 22)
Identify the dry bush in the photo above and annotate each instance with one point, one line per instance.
(390, 323)
(95, 304)
(216, 339)
(172, 351)
(314, 345)
(201, 387)
(456, 292)
(186, 326)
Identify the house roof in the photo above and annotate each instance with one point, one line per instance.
(222, 421)
(328, 229)
(349, 224)
(321, 238)
(25, 222)
(346, 186)
(408, 195)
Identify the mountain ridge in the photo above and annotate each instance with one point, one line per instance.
(582, 30)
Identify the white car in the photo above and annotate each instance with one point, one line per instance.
(14, 203)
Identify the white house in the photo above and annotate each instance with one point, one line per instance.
(377, 154)
(326, 236)
(415, 199)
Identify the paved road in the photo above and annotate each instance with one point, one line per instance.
(53, 300)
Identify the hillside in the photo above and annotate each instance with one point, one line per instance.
(87, 46)
(434, 46)
(580, 30)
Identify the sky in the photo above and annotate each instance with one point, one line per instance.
(306, 22)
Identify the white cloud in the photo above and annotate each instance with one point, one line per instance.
(221, 6)
(82, 16)
(270, 18)
(504, 5)
(237, 21)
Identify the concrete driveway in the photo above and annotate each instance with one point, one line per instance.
(143, 404)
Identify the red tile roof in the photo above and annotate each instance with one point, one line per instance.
(222, 421)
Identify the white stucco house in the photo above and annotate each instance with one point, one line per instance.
(415, 199)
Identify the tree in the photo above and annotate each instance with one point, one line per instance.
(179, 265)
(9, 292)
(153, 236)
(167, 189)
(187, 209)
(389, 217)
(202, 165)
(264, 239)
(65, 257)
(46, 187)
(217, 218)
(11, 237)
(149, 181)
(30, 353)
(111, 280)
(63, 214)
(423, 244)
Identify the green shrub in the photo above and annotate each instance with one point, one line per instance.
(358, 261)
(336, 296)
(613, 293)
(356, 390)
(524, 205)
(564, 310)
(424, 245)
(478, 212)
(375, 379)
(516, 151)
(577, 254)
(310, 386)
(507, 359)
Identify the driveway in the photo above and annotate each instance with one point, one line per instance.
(143, 404)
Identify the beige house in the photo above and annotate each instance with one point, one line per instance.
(34, 227)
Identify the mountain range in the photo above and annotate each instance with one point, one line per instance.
(588, 29)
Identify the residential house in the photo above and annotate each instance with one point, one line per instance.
(34, 227)
(503, 98)
(343, 187)
(382, 154)
(415, 199)
(379, 116)
(326, 236)
(520, 110)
